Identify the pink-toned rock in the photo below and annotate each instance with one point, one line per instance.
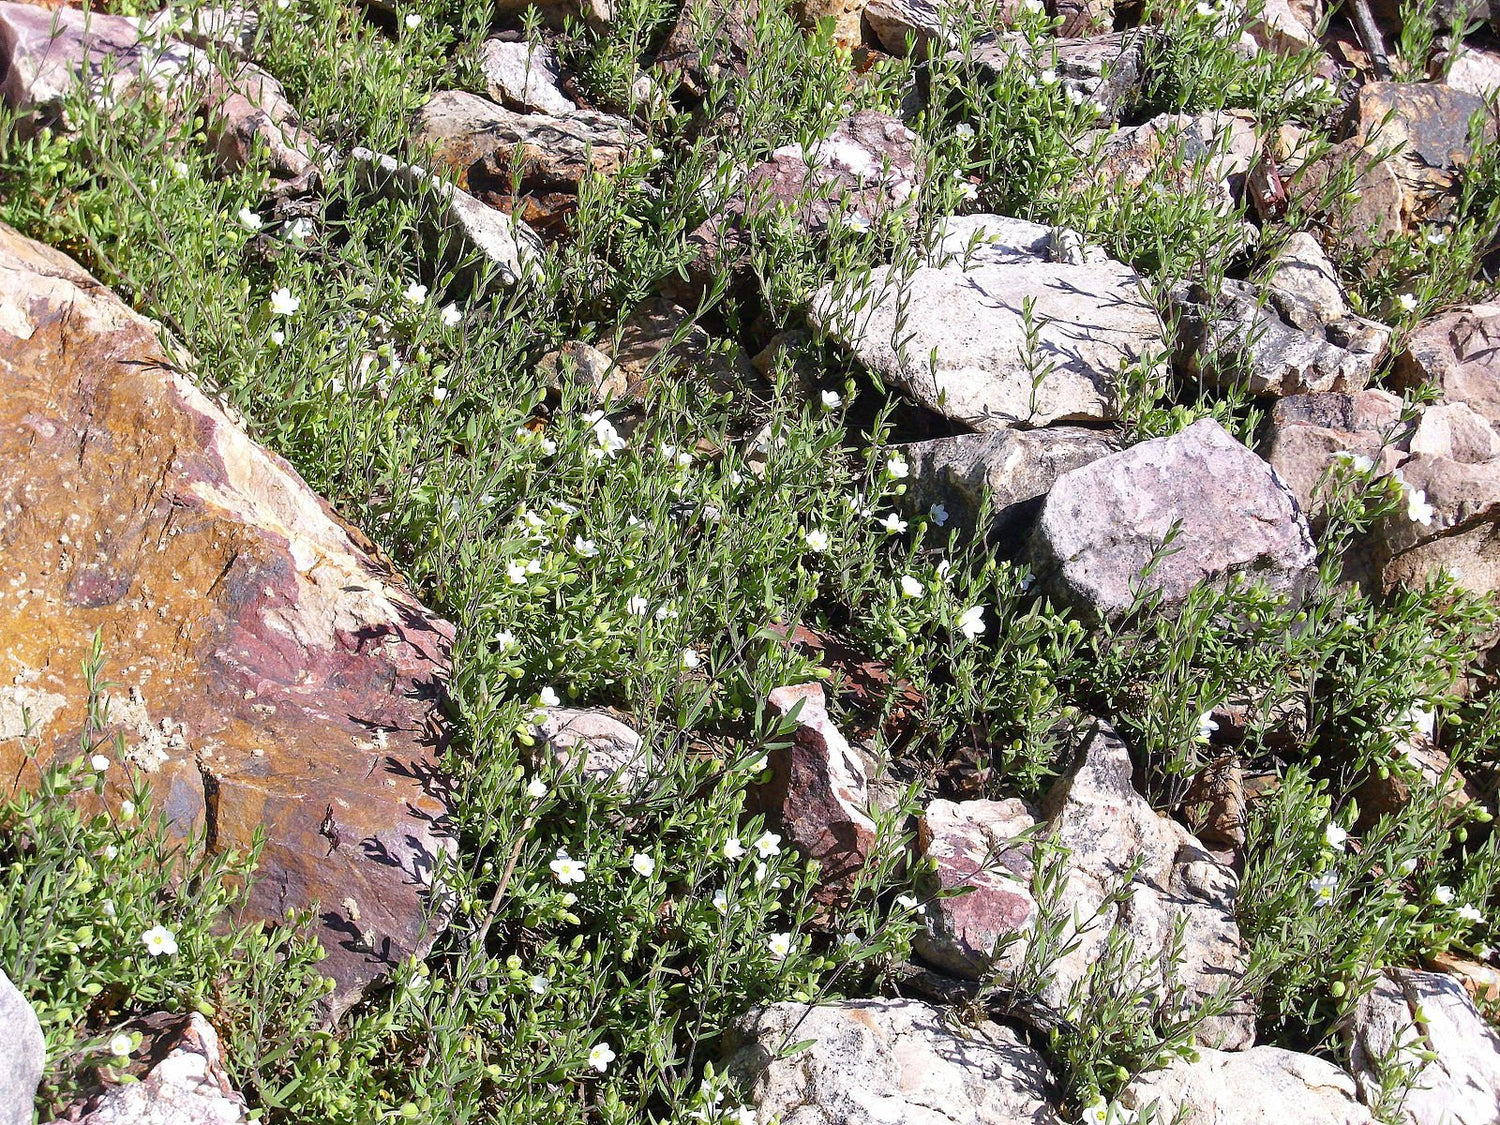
(272, 675)
(818, 792)
(1459, 354)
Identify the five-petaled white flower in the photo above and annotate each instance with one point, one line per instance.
(721, 901)
(964, 129)
(548, 697)
(567, 869)
(413, 21)
(779, 945)
(505, 639)
(1323, 888)
(601, 1056)
(100, 763)
(537, 789)
(690, 659)
(911, 587)
(1470, 913)
(159, 941)
(642, 864)
(767, 844)
(637, 606)
(816, 539)
(283, 302)
(733, 849)
(539, 984)
(1206, 726)
(832, 400)
(452, 315)
(1048, 77)
(121, 1046)
(1442, 895)
(415, 294)
(585, 547)
(609, 439)
(853, 220)
(1408, 302)
(906, 902)
(896, 467)
(249, 219)
(893, 524)
(1418, 510)
(1334, 836)
(967, 192)
(515, 573)
(439, 393)
(971, 622)
(939, 514)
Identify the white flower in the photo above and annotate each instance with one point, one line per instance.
(110, 851)
(439, 393)
(180, 169)
(906, 902)
(414, 21)
(642, 864)
(939, 514)
(601, 1056)
(584, 547)
(637, 606)
(853, 220)
(1096, 1114)
(159, 941)
(1334, 836)
(505, 639)
(744, 1115)
(1436, 237)
(537, 789)
(609, 439)
(1418, 510)
(452, 315)
(896, 467)
(893, 524)
(567, 869)
(278, 337)
(733, 849)
(911, 588)
(690, 659)
(1048, 77)
(1406, 866)
(100, 763)
(121, 1046)
(127, 810)
(109, 908)
(283, 303)
(1323, 888)
(816, 539)
(768, 844)
(1356, 461)
(967, 192)
(1469, 913)
(1442, 895)
(515, 573)
(779, 945)
(963, 128)
(832, 400)
(664, 612)
(415, 294)
(1407, 302)
(971, 622)
(1206, 726)
(548, 697)
(539, 984)
(721, 901)
(249, 219)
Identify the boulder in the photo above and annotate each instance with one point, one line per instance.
(1479, 979)
(847, 17)
(1307, 432)
(1214, 150)
(475, 241)
(524, 76)
(818, 795)
(600, 745)
(273, 674)
(662, 340)
(923, 25)
(25, 1056)
(1015, 468)
(1285, 28)
(710, 42)
(186, 1085)
(1103, 524)
(1102, 826)
(491, 150)
(1105, 69)
(585, 365)
(1475, 71)
(955, 339)
(887, 1062)
(1458, 353)
(1426, 1021)
(1255, 1087)
(979, 240)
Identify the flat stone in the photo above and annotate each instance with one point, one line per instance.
(961, 349)
(1101, 525)
(274, 676)
(25, 1056)
(1015, 468)
(1254, 1087)
(601, 746)
(1458, 353)
(524, 76)
(1408, 1013)
(887, 1062)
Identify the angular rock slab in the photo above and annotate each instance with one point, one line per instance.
(1408, 1012)
(1105, 826)
(1092, 321)
(887, 1062)
(25, 1055)
(524, 76)
(602, 747)
(1101, 525)
(1459, 354)
(1255, 1087)
(271, 674)
(1103, 69)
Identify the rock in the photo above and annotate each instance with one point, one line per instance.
(925, 24)
(1103, 69)
(963, 342)
(846, 15)
(25, 1056)
(711, 41)
(274, 676)
(1408, 1014)
(978, 240)
(1255, 1087)
(1280, 27)
(864, 169)
(1101, 525)
(887, 1062)
(1082, 18)
(662, 340)
(1480, 981)
(232, 28)
(582, 363)
(1306, 433)
(1420, 764)
(1104, 825)
(186, 1086)
(250, 111)
(600, 745)
(1016, 468)
(475, 241)
(524, 76)
(596, 14)
(1303, 284)
(1215, 805)
(1458, 353)
(1475, 71)
(818, 795)
(1181, 151)
(1235, 338)
(490, 149)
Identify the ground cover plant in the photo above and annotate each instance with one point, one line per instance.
(600, 946)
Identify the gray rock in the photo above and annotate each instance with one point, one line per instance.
(975, 240)
(1182, 151)
(457, 228)
(1015, 467)
(1303, 284)
(1101, 525)
(1104, 826)
(955, 339)
(596, 14)
(923, 24)
(585, 365)
(1475, 71)
(600, 745)
(1425, 1024)
(1102, 69)
(25, 1055)
(1458, 353)
(888, 1062)
(1306, 433)
(524, 76)
(1255, 1087)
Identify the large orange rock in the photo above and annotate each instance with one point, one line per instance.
(269, 673)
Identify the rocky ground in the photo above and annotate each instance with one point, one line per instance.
(616, 561)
